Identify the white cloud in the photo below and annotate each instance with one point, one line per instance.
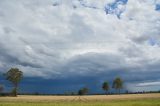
(144, 86)
(35, 35)
(149, 84)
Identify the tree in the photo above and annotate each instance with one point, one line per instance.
(83, 91)
(105, 86)
(1, 88)
(14, 75)
(117, 84)
(80, 92)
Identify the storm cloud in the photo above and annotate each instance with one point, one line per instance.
(62, 40)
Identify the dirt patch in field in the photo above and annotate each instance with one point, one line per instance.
(28, 98)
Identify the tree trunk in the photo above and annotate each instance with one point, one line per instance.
(106, 92)
(119, 91)
(14, 91)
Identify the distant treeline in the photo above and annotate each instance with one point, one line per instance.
(74, 93)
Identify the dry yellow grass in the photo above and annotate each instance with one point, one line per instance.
(28, 98)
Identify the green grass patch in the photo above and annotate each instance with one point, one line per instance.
(145, 102)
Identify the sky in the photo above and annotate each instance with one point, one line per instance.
(64, 45)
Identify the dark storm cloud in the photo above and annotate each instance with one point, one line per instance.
(79, 47)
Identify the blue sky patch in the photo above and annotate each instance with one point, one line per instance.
(158, 7)
(152, 41)
(112, 8)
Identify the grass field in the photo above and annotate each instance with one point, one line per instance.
(101, 100)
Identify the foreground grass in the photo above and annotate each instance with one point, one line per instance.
(141, 102)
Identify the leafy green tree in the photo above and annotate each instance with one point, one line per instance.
(105, 86)
(83, 91)
(14, 75)
(117, 84)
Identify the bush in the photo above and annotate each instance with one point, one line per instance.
(83, 91)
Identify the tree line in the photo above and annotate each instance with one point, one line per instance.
(117, 85)
(14, 75)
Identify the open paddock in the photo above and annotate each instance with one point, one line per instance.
(92, 100)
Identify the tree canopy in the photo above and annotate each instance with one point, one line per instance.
(105, 86)
(14, 75)
(117, 84)
(83, 91)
